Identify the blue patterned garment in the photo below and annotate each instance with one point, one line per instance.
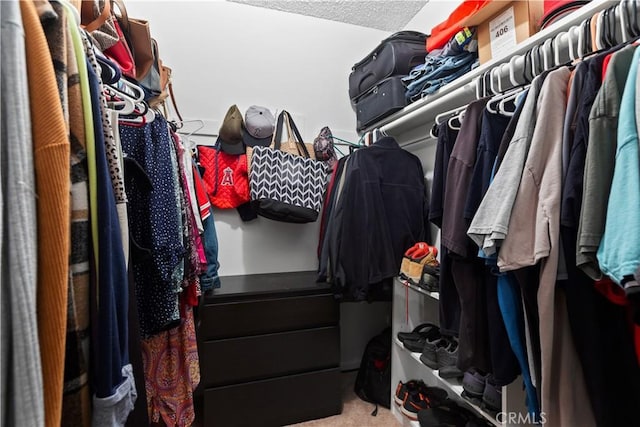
(154, 222)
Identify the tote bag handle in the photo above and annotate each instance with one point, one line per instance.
(292, 133)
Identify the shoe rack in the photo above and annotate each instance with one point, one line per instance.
(412, 306)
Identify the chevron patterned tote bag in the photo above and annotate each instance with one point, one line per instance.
(284, 186)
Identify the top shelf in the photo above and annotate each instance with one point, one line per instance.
(411, 124)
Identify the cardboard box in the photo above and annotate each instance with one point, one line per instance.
(503, 24)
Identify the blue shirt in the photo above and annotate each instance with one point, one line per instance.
(619, 251)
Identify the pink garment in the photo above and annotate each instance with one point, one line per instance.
(172, 372)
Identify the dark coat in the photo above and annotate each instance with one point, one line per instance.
(384, 212)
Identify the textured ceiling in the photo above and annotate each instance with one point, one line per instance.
(382, 14)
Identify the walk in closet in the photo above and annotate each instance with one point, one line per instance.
(244, 213)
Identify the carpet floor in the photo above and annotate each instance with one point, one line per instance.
(355, 412)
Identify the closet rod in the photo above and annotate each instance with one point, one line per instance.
(419, 114)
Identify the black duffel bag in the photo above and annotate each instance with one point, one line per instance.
(395, 56)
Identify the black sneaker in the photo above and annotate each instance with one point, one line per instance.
(424, 398)
(430, 279)
(404, 389)
(492, 396)
(447, 414)
(413, 403)
(474, 383)
(447, 356)
(429, 354)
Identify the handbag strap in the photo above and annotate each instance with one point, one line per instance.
(173, 99)
(292, 131)
(87, 11)
(291, 126)
(215, 173)
(124, 17)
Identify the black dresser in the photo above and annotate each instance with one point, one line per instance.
(269, 348)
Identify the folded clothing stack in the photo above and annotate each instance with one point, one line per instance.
(442, 66)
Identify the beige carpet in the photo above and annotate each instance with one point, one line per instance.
(356, 412)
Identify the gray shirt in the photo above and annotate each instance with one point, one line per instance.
(491, 221)
(22, 394)
(600, 161)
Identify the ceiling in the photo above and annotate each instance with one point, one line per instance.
(386, 15)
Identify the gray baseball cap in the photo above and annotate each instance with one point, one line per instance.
(259, 125)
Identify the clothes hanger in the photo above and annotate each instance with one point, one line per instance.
(118, 101)
(507, 106)
(455, 122)
(493, 104)
(596, 31)
(110, 72)
(440, 118)
(572, 47)
(512, 70)
(547, 54)
(377, 135)
(625, 20)
(527, 71)
(607, 40)
(434, 132)
(346, 142)
(635, 25)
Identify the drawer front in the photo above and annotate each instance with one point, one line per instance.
(276, 402)
(253, 317)
(237, 360)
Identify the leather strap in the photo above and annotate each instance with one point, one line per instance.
(173, 100)
(292, 131)
(87, 10)
(124, 17)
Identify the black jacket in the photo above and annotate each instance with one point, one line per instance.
(383, 214)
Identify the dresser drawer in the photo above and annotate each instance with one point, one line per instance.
(260, 316)
(275, 402)
(237, 360)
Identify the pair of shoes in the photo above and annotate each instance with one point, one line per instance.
(403, 390)
(427, 335)
(414, 396)
(443, 356)
(449, 413)
(415, 258)
(421, 331)
(430, 278)
(482, 390)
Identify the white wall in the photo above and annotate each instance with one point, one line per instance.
(226, 53)
(433, 13)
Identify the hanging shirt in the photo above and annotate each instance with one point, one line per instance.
(619, 251)
(459, 174)
(154, 221)
(533, 237)
(491, 221)
(209, 279)
(494, 126)
(446, 140)
(384, 213)
(52, 169)
(600, 160)
(115, 389)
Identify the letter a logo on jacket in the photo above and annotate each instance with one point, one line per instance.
(227, 178)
